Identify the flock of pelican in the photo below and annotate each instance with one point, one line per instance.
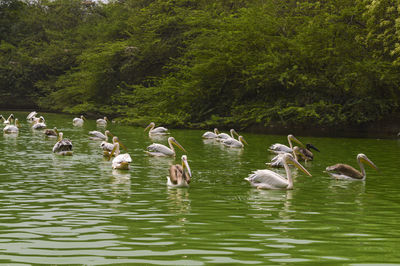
(180, 174)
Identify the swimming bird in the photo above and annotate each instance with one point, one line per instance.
(281, 148)
(108, 147)
(235, 143)
(179, 175)
(51, 132)
(211, 135)
(224, 136)
(305, 153)
(121, 161)
(102, 121)
(12, 128)
(63, 146)
(344, 171)
(156, 149)
(31, 116)
(157, 130)
(39, 123)
(267, 179)
(78, 121)
(277, 161)
(97, 135)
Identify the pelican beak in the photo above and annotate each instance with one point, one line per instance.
(147, 127)
(122, 145)
(369, 162)
(108, 133)
(243, 140)
(310, 146)
(186, 164)
(298, 165)
(292, 138)
(112, 152)
(83, 118)
(178, 145)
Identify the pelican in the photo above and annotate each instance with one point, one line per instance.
(179, 175)
(51, 132)
(267, 179)
(211, 135)
(78, 121)
(102, 121)
(305, 153)
(2, 118)
(156, 149)
(121, 161)
(63, 146)
(9, 120)
(39, 123)
(277, 161)
(235, 143)
(157, 130)
(344, 171)
(108, 147)
(281, 148)
(223, 136)
(12, 128)
(97, 135)
(31, 116)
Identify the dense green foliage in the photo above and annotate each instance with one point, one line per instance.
(201, 63)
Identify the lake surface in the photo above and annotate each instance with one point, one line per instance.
(77, 210)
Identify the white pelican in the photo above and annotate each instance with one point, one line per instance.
(78, 121)
(39, 123)
(157, 130)
(97, 135)
(179, 175)
(298, 153)
(9, 120)
(211, 135)
(235, 143)
(223, 136)
(108, 147)
(102, 121)
(281, 148)
(344, 171)
(51, 132)
(121, 161)
(267, 179)
(156, 149)
(63, 146)
(31, 116)
(12, 128)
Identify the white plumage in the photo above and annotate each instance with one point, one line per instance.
(211, 135)
(78, 121)
(157, 130)
(156, 149)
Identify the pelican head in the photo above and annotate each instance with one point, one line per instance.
(172, 140)
(289, 159)
(362, 158)
(151, 126)
(232, 131)
(185, 164)
(17, 124)
(108, 133)
(216, 131)
(292, 138)
(309, 146)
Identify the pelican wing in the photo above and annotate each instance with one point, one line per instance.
(232, 143)
(160, 149)
(209, 135)
(267, 179)
(159, 130)
(39, 126)
(175, 172)
(122, 158)
(344, 170)
(106, 146)
(31, 115)
(280, 148)
(10, 129)
(62, 145)
(277, 161)
(97, 135)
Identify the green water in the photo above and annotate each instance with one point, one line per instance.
(77, 210)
